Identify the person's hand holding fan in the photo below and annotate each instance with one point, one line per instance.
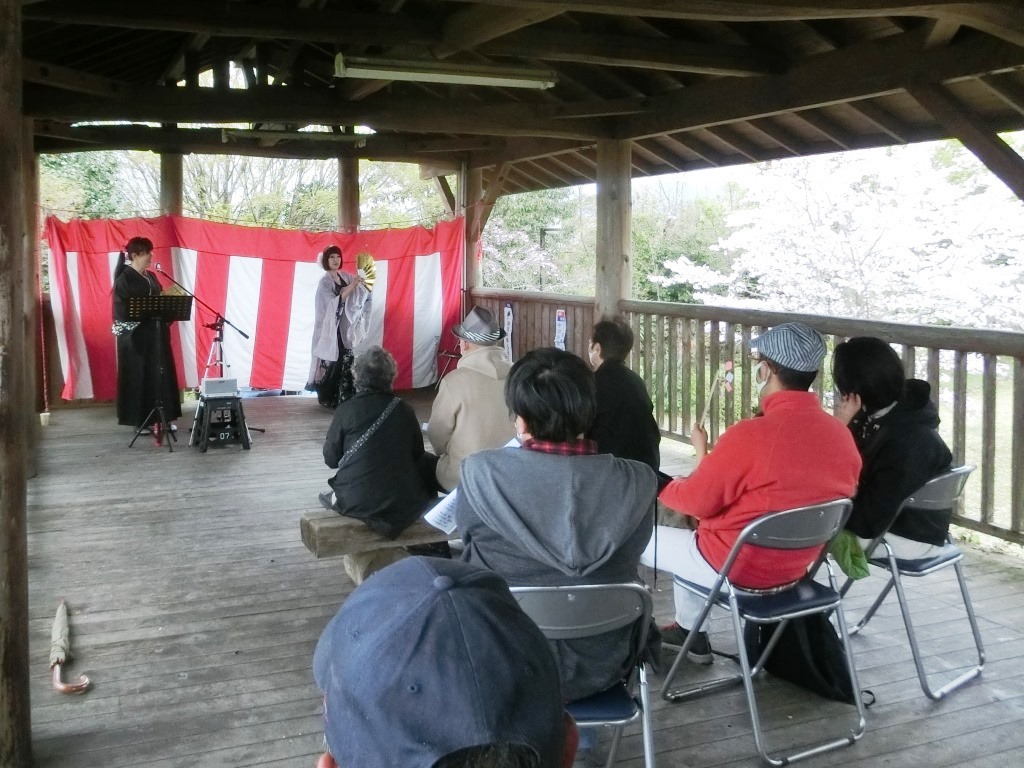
(366, 269)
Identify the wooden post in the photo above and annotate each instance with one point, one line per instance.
(171, 182)
(348, 194)
(471, 192)
(15, 727)
(30, 300)
(614, 207)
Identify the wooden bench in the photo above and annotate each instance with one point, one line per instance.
(328, 534)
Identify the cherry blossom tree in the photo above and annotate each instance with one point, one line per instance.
(913, 234)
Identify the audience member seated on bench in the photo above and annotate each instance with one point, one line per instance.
(791, 455)
(895, 426)
(468, 414)
(555, 512)
(624, 425)
(433, 663)
(376, 445)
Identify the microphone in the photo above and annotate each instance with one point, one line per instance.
(158, 267)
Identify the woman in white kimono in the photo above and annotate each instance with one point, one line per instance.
(340, 323)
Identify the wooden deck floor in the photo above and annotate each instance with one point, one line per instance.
(195, 610)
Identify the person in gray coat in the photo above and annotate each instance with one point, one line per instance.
(555, 512)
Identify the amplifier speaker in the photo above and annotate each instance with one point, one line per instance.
(212, 387)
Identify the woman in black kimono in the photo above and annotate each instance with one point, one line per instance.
(140, 381)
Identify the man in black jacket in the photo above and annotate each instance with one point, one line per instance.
(624, 425)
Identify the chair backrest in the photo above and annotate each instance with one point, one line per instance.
(941, 492)
(565, 613)
(799, 528)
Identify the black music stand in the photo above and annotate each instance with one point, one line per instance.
(159, 309)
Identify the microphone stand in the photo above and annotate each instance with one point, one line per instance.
(217, 325)
(221, 320)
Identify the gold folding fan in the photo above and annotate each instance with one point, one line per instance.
(366, 268)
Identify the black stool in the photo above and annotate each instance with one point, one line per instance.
(220, 419)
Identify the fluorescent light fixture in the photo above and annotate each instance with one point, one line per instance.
(442, 72)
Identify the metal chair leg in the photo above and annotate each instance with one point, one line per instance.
(874, 607)
(645, 720)
(915, 650)
(678, 694)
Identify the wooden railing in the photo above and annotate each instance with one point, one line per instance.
(977, 378)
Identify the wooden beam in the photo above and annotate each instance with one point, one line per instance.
(69, 79)
(842, 138)
(737, 141)
(873, 69)
(241, 20)
(1006, 89)
(885, 121)
(516, 149)
(998, 156)
(658, 149)
(305, 105)
(778, 134)
(941, 32)
(1000, 18)
(175, 69)
(15, 712)
(658, 53)
(710, 155)
(211, 141)
(492, 191)
(445, 190)
(614, 207)
(472, 26)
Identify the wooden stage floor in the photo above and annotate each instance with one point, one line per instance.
(195, 608)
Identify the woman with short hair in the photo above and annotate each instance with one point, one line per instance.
(555, 511)
(375, 444)
(895, 426)
(340, 323)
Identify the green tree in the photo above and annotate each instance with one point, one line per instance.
(668, 222)
(514, 256)
(81, 184)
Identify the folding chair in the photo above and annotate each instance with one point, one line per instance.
(800, 528)
(567, 613)
(939, 493)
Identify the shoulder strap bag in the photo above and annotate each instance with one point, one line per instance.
(361, 440)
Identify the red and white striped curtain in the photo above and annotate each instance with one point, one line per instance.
(262, 280)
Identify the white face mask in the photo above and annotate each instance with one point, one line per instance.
(595, 358)
(759, 383)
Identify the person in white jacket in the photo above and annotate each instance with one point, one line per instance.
(469, 412)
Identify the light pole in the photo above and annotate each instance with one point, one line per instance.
(542, 236)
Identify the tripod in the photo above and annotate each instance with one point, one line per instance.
(215, 359)
(159, 309)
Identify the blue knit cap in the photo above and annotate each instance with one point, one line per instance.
(431, 656)
(792, 345)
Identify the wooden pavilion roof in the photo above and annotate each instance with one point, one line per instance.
(694, 83)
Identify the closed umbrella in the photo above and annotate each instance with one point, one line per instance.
(60, 652)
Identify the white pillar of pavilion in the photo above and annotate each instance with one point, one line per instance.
(614, 218)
